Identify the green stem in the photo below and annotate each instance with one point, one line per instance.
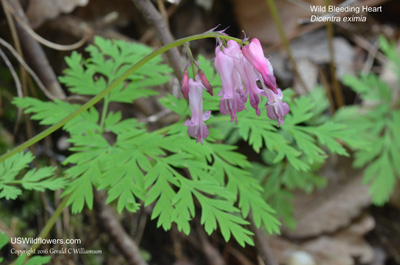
(189, 51)
(104, 112)
(110, 87)
(337, 91)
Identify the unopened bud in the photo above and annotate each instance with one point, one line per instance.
(205, 82)
(185, 84)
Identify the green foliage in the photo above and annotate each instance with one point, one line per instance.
(35, 179)
(165, 169)
(301, 139)
(379, 124)
(108, 60)
(50, 113)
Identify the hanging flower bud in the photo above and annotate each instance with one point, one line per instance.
(185, 83)
(205, 82)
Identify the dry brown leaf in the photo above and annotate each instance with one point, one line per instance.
(308, 70)
(345, 246)
(39, 11)
(315, 47)
(311, 50)
(327, 210)
(255, 19)
(341, 248)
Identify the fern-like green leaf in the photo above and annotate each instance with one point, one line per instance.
(220, 211)
(108, 60)
(50, 113)
(380, 126)
(160, 178)
(35, 179)
(124, 179)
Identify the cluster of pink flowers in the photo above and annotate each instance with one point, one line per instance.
(240, 69)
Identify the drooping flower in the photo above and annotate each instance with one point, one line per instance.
(276, 109)
(196, 126)
(254, 53)
(232, 89)
(247, 74)
(185, 83)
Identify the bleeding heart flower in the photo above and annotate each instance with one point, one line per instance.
(196, 126)
(240, 69)
(232, 89)
(254, 53)
(247, 74)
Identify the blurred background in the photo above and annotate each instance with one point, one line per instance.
(336, 225)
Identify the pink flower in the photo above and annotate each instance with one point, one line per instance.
(232, 89)
(254, 53)
(276, 109)
(196, 126)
